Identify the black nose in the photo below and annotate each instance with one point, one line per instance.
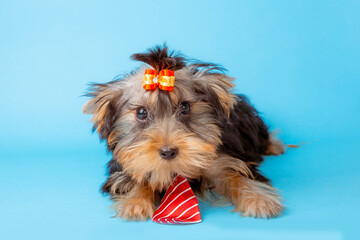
(168, 153)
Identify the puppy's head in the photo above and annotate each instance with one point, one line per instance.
(157, 134)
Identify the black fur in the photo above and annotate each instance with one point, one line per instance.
(244, 132)
(113, 166)
(245, 136)
(123, 186)
(160, 58)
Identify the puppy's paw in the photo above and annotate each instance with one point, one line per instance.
(260, 202)
(134, 209)
(261, 207)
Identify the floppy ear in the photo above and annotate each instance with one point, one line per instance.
(215, 88)
(105, 107)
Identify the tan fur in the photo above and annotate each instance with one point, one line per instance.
(139, 204)
(227, 100)
(143, 162)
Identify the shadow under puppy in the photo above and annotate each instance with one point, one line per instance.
(200, 130)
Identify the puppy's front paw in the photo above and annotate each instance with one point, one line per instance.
(263, 207)
(134, 209)
(261, 202)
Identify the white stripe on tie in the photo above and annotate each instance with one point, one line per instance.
(192, 215)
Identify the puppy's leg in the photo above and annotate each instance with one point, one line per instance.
(251, 197)
(138, 204)
(254, 198)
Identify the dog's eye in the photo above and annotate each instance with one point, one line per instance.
(184, 107)
(141, 113)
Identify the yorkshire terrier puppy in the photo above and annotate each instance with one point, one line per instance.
(200, 130)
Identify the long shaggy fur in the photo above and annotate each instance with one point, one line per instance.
(220, 143)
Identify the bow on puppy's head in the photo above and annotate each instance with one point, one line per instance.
(164, 63)
(165, 79)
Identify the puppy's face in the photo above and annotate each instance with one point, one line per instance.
(157, 134)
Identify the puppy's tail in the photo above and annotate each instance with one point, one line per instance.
(276, 146)
(293, 145)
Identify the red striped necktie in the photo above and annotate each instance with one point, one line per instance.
(179, 205)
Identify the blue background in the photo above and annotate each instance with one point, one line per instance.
(298, 61)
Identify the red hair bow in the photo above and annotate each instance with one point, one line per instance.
(165, 79)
